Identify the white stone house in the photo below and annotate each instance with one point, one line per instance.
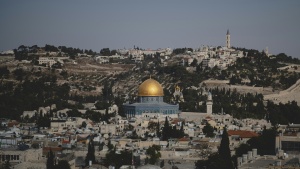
(49, 61)
(108, 128)
(29, 113)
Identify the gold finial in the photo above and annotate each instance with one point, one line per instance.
(177, 88)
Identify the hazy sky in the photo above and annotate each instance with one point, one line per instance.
(96, 24)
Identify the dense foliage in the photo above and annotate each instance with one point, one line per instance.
(283, 113)
(171, 132)
(30, 52)
(25, 90)
(264, 144)
(123, 158)
(30, 95)
(153, 153)
(181, 50)
(208, 130)
(221, 159)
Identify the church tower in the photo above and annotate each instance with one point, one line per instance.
(228, 39)
(209, 104)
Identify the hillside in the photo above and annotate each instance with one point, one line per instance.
(285, 96)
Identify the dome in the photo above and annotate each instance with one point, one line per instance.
(151, 87)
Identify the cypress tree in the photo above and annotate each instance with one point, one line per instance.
(166, 130)
(224, 150)
(158, 134)
(50, 160)
(90, 156)
(181, 130)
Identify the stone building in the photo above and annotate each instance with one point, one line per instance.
(18, 156)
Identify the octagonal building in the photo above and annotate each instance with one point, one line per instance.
(150, 102)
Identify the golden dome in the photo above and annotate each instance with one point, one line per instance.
(151, 87)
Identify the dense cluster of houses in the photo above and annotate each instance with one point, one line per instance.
(24, 143)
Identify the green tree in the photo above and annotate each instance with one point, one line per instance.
(224, 150)
(90, 156)
(162, 163)
(146, 160)
(83, 124)
(166, 130)
(50, 160)
(109, 145)
(194, 63)
(181, 131)
(221, 159)
(265, 143)
(118, 159)
(105, 52)
(63, 164)
(208, 130)
(43, 120)
(100, 148)
(4, 72)
(73, 113)
(95, 116)
(113, 52)
(153, 153)
(19, 74)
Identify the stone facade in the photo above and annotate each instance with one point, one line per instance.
(152, 106)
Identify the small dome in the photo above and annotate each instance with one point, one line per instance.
(151, 87)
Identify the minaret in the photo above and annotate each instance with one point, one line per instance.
(267, 51)
(228, 39)
(209, 104)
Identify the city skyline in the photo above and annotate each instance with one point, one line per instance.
(151, 24)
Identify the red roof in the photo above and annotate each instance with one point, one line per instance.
(175, 121)
(242, 133)
(184, 139)
(12, 123)
(54, 149)
(66, 141)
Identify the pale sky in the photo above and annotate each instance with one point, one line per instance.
(96, 24)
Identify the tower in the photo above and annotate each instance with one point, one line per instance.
(228, 39)
(267, 51)
(178, 96)
(209, 104)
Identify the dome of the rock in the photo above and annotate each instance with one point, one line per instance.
(150, 102)
(150, 87)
